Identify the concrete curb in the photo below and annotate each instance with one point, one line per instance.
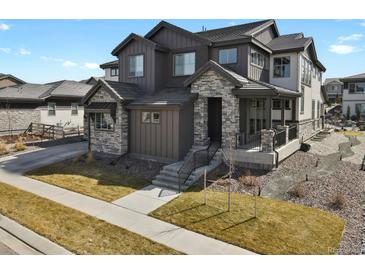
(31, 238)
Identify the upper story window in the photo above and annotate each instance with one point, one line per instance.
(282, 67)
(184, 64)
(356, 87)
(114, 71)
(51, 109)
(228, 56)
(306, 71)
(257, 59)
(74, 108)
(136, 64)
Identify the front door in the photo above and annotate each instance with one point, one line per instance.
(215, 119)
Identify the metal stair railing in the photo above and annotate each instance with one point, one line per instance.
(197, 159)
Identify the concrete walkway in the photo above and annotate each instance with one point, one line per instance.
(162, 232)
(10, 245)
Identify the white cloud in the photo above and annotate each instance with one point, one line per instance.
(23, 51)
(91, 65)
(352, 37)
(4, 26)
(5, 50)
(69, 64)
(51, 59)
(362, 23)
(343, 49)
(232, 23)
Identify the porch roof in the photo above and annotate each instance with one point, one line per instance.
(259, 88)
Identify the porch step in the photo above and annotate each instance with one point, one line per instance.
(169, 176)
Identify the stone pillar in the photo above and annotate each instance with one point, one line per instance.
(201, 121)
(267, 136)
(286, 128)
(230, 120)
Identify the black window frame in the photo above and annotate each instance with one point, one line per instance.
(281, 65)
(114, 74)
(174, 63)
(50, 111)
(129, 65)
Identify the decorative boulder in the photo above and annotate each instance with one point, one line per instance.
(305, 147)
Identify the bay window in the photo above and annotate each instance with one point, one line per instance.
(257, 59)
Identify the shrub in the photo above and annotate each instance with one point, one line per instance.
(19, 145)
(297, 191)
(3, 149)
(348, 113)
(305, 147)
(338, 201)
(248, 179)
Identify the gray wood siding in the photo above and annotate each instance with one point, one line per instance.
(157, 140)
(255, 72)
(186, 129)
(147, 82)
(173, 40)
(242, 58)
(265, 36)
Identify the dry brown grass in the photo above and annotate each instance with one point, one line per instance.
(280, 227)
(19, 145)
(338, 201)
(248, 179)
(297, 191)
(3, 149)
(72, 229)
(89, 178)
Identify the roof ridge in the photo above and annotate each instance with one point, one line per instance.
(235, 26)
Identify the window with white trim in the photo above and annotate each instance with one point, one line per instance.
(146, 117)
(51, 109)
(104, 121)
(136, 66)
(74, 108)
(155, 117)
(184, 64)
(257, 59)
(306, 71)
(228, 56)
(114, 71)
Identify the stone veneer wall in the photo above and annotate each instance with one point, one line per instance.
(114, 141)
(211, 84)
(306, 128)
(20, 118)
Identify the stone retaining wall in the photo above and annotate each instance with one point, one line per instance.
(19, 118)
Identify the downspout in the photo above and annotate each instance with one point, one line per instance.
(276, 153)
(89, 133)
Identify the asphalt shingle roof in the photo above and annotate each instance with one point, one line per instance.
(356, 76)
(231, 33)
(110, 64)
(127, 91)
(290, 41)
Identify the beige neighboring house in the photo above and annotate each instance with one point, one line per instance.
(111, 70)
(56, 103)
(8, 80)
(354, 94)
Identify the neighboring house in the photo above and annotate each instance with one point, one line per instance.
(234, 86)
(57, 103)
(354, 94)
(8, 80)
(111, 70)
(334, 89)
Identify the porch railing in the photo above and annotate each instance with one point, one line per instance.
(293, 132)
(280, 138)
(251, 142)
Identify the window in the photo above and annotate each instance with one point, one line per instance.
(136, 66)
(104, 121)
(357, 87)
(282, 67)
(146, 117)
(51, 109)
(276, 104)
(74, 108)
(155, 117)
(361, 108)
(302, 101)
(258, 103)
(287, 104)
(114, 72)
(257, 59)
(228, 56)
(306, 74)
(184, 64)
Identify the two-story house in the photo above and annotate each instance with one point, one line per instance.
(334, 89)
(354, 94)
(244, 88)
(111, 70)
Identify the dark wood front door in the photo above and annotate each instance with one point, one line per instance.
(215, 119)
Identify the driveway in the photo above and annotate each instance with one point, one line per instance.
(23, 162)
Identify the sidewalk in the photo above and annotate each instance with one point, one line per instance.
(170, 235)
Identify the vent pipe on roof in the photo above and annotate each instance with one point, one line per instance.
(204, 28)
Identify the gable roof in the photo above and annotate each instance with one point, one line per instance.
(360, 76)
(164, 24)
(243, 85)
(330, 80)
(40, 92)
(110, 64)
(119, 90)
(136, 37)
(6, 76)
(238, 31)
(231, 76)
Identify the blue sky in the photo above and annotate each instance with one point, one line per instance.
(41, 51)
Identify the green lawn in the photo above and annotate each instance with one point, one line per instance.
(92, 179)
(280, 227)
(72, 229)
